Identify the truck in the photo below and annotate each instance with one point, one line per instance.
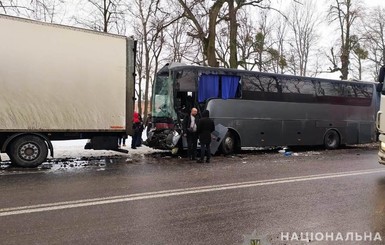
(380, 120)
(62, 83)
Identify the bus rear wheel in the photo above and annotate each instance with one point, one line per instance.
(332, 140)
(228, 145)
(28, 151)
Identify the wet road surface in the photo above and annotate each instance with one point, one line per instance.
(158, 199)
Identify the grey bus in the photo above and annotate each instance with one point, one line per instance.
(263, 109)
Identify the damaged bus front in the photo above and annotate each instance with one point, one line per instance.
(175, 93)
(166, 126)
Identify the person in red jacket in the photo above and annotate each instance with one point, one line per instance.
(136, 126)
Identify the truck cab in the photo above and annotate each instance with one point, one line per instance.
(380, 120)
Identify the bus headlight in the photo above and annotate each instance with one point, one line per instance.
(382, 146)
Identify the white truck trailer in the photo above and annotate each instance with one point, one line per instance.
(61, 83)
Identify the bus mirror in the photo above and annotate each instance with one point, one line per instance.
(381, 74)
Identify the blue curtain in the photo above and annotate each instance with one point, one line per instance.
(208, 87)
(229, 86)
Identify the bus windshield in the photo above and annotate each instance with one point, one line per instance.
(163, 103)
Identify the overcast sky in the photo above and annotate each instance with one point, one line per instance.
(328, 33)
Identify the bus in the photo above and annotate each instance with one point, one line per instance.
(263, 109)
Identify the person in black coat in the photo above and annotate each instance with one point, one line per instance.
(205, 128)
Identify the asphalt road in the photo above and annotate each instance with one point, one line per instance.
(233, 200)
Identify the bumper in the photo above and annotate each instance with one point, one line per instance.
(381, 150)
(381, 157)
(163, 139)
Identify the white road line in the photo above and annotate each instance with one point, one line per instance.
(21, 172)
(175, 192)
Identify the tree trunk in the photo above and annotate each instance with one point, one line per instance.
(147, 68)
(105, 16)
(359, 68)
(344, 64)
(233, 35)
(210, 42)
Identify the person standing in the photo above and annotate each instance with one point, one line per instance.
(141, 128)
(190, 131)
(136, 127)
(205, 128)
(122, 139)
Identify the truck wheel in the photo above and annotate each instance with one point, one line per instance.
(28, 151)
(228, 144)
(332, 140)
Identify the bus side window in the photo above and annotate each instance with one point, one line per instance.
(296, 89)
(260, 84)
(298, 86)
(362, 90)
(319, 90)
(239, 90)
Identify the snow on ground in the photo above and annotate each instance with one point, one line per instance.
(75, 149)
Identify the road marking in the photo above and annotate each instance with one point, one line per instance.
(175, 192)
(19, 173)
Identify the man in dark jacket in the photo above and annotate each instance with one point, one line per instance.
(205, 128)
(190, 123)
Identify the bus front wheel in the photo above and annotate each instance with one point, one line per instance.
(332, 140)
(228, 144)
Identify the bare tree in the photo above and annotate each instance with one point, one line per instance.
(344, 12)
(303, 20)
(206, 31)
(360, 54)
(193, 11)
(42, 10)
(260, 45)
(279, 61)
(374, 36)
(246, 42)
(151, 21)
(267, 56)
(222, 49)
(181, 46)
(139, 71)
(109, 16)
(13, 7)
(45, 10)
(234, 7)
